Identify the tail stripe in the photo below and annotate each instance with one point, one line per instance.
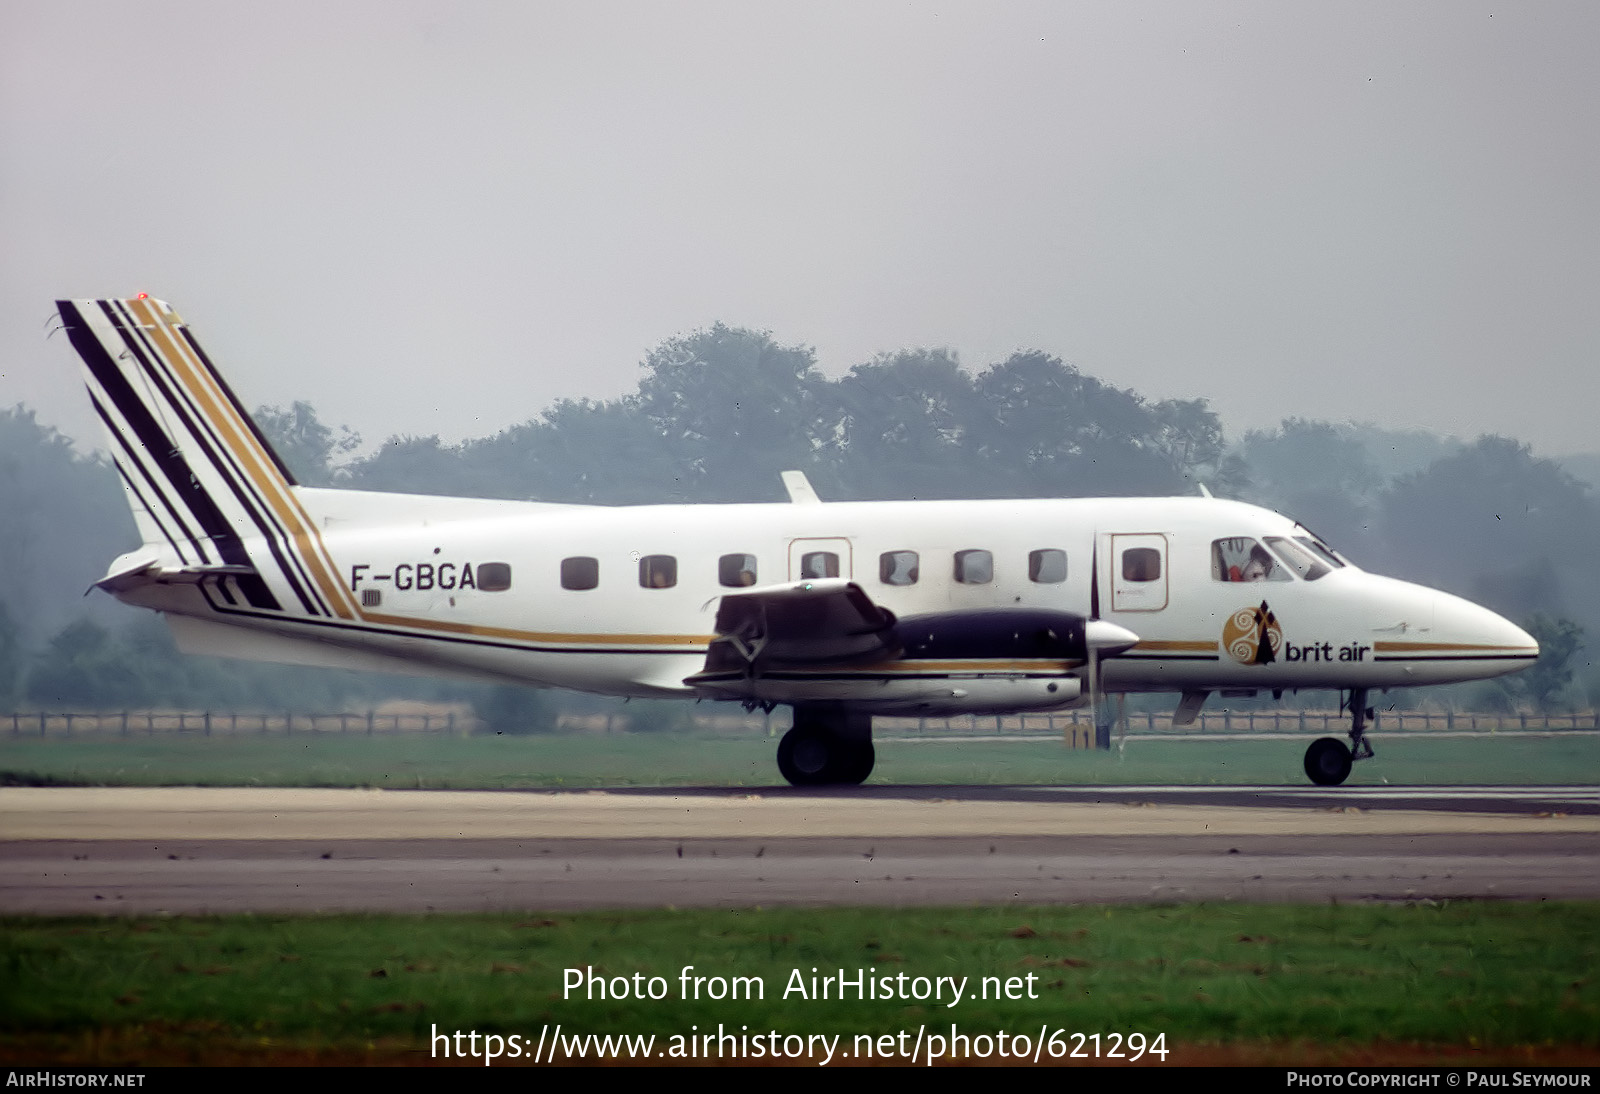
(193, 419)
(253, 460)
(238, 407)
(159, 449)
(125, 465)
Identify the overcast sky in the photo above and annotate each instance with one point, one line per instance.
(429, 217)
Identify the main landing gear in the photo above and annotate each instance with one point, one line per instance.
(1328, 760)
(827, 746)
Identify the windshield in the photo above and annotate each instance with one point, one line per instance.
(1240, 558)
(1301, 559)
(1320, 548)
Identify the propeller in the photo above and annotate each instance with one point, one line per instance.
(1101, 638)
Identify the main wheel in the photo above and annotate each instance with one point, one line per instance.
(1328, 761)
(855, 762)
(808, 756)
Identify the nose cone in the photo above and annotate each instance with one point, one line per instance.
(1479, 640)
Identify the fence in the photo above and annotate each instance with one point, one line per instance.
(128, 723)
(450, 721)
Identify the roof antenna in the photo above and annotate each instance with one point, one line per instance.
(799, 487)
(1204, 493)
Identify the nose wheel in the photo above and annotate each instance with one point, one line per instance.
(1328, 760)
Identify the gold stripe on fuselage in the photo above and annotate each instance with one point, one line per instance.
(1451, 647)
(479, 631)
(241, 442)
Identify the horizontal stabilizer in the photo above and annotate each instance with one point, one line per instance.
(141, 568)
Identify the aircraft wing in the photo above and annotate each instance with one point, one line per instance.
(798, 624)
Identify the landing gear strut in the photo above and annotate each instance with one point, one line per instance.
(827, 746)
(1328, 760)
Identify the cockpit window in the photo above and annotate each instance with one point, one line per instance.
(1241, 558)
(1322, 551)
(1300, 558)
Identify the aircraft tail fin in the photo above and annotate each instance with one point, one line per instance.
(205, 485)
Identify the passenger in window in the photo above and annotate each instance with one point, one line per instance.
(658, 571)
(735, 571)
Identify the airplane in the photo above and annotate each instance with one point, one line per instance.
(841, 610)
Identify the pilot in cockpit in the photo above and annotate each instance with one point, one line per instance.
(1259, 566)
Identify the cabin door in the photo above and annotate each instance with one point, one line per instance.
(1138, 572)
(827, 556)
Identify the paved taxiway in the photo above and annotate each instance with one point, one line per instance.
(186, 851)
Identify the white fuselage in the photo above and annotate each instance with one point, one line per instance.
(409, 573)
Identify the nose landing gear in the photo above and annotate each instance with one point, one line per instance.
(1328, 760)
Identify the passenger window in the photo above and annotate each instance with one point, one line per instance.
(974, 567)
(658, 571)
(898, 567)
(1047, 567)
(1141, 564)
(493, 577)
(1241, 558)
(815, 564)
(576, 573)
(735, 571)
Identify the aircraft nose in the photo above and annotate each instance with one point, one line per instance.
(1473, 632)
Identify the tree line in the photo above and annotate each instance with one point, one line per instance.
(719, 413)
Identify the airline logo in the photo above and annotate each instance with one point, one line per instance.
(1252, 636)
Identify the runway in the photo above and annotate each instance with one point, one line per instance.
(195, 851)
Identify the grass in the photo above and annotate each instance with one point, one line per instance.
(645, 759)
(168, 990)
(1468, 982)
